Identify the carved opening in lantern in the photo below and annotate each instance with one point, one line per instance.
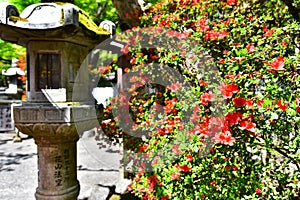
(48, 71)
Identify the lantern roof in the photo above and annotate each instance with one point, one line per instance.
(13, 71)
(49, 21)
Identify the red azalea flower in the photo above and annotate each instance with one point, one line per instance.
(265, 29)
(129, 187)
(141, 171)
(225, 52)
(126, 70)
(227, 167)
(189, 158)
(218, 121)
(221, 61)
(298, 101)
(239, 59)
(203, 83)
(298, 104)
(258, 191)
(156, 18)
(250, 126)
(165, 22)
(276, 65)
(170, 106)
(202, 130)
(231, 2)
(267, 32)
(175, 176)
(215, 35)
(202, 196)
(250, 18)
(176, 86)
(169, 129)
(154, 161)
(250, 48)
(259, 103)
(224, 138)
(284, 44)
(153, 57)
(249, 102)
(195, 116)
(206, 97)
(202, 25)
(282, 106)
(165, 197)
(228, 21)
(161, 131)
(234, 118)
(228, 90)
(132, 61)
(142, 148)
(250, 117)
(216, 125)
(213, 183)
(175, 149)
(234, 168)
(154, 178)
(239, 101)
(183, 168)
(226, 127)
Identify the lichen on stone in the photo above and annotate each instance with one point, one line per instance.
(85, 20)
(15, 19)
(89, 24)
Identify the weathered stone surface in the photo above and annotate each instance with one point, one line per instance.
(48, 15)
(56, 160)
(57, 170)
(58, 37)
(38, 113)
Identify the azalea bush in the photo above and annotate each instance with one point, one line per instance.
(226, 126)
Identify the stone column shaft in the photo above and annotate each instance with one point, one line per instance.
(57, 178)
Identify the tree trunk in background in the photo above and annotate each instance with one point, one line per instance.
(129, 12)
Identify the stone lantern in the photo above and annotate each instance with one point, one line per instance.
(10, 96)
(13, 73)
(58, 37)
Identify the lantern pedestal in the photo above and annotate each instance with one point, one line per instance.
(57, 167)
(55, 133)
